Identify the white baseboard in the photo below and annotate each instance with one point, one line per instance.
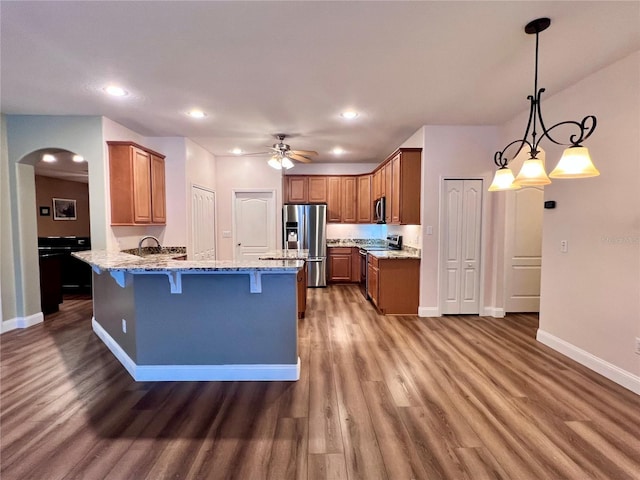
(612, 372)
(21, 322)
(197, 373)
(429, 312)
(494, 312)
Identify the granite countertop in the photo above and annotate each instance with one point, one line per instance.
(396, 254)
(285, 255)
(164, 262)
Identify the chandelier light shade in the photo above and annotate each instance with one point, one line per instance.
(503, 180)
(575, 161)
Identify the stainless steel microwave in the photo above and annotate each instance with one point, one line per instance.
(379, 210)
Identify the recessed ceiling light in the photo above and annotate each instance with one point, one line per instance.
(47, 157)
(337, 151)
(78, 158)
(116, 91)
(349, 114)
(236, 151)
(196, 114)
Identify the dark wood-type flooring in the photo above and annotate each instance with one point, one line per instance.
(459, 397)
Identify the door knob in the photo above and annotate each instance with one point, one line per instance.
(239, 244)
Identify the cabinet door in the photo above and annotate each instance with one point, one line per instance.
(388, 180)
(158, 197)
(297, 189)
(317, 189)
(334, 209)
(339, 264)
(376, 184)
(372, 283)
(141, 162)
(365, 204)
(349, 200)
(383, 183)
(302, 290)
(396, 185)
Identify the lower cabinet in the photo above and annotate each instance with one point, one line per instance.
(393, 284)
(302, 290)
(343, 264)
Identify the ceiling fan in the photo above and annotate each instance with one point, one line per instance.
(282, 155)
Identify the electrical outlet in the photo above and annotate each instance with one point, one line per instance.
(637, 345)
(124, 326)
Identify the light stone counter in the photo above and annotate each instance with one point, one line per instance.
(396, 254)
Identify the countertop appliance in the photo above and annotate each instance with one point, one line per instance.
(394, 242)
(379, 210)
(305, 227)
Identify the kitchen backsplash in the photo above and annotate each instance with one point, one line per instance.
(411, 234)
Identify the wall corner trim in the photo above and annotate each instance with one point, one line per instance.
(196, 373)
(21, 322)
(429, 312)
(614, 373)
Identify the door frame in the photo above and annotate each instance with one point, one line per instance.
(215, 217)
(483, 242)
(278, 219)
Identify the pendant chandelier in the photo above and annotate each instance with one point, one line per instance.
(575, 161)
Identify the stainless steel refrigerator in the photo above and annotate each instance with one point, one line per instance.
(305, 227)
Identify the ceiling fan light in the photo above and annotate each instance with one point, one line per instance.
(503, 180)
(286, 163)
(575, 163)
(532, 174)
(275, 163)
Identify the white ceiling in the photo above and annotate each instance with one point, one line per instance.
(260, 68)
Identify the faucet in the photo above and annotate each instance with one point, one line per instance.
(151, 237)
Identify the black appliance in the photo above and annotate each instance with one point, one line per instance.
(394, 242)
(75, 275)
(379, 210)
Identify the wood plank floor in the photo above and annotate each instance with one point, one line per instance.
(379, 398)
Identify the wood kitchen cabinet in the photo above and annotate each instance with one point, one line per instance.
(340, 264)
(296, 189)
(403, 202)
(334, 200)
(355, 265)
(349, 200)
(393, 284)
(137, 185)
(317, 189)
(365, 204)
(301, 280)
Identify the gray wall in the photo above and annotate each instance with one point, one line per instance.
(214, 321)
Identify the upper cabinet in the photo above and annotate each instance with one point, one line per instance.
(297, 189)
(404, 199)
(137, 185)
(350, 198)
(365, 203)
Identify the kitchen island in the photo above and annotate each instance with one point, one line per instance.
(168, 319)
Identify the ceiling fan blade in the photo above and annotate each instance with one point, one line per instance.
(304, 152)
(297, 157)
(254, 153)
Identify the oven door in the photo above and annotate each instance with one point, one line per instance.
(363, 272)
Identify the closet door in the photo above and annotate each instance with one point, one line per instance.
(462, 219)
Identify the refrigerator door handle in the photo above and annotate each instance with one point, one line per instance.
(316, 260)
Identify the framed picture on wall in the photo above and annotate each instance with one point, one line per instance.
(64, 209)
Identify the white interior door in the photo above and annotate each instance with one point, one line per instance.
(203, 224)
(523, 249)
(254, 223)
(462, 222)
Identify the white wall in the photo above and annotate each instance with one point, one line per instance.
(335, 168)
(242, 173)
(590, 296)
(454, 152)
(174, 149)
